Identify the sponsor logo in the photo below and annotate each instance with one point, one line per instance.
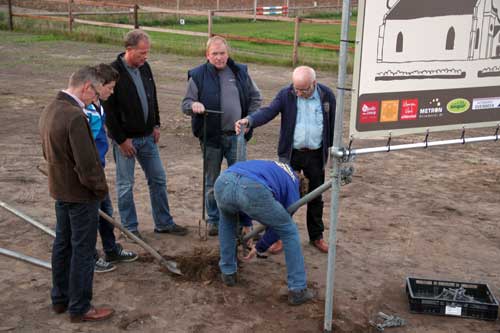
(486, 103)
(409, 109)
(431, 109)
(368, 112)
(389, 111)
(458, 105)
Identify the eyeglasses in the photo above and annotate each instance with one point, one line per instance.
(304, 90)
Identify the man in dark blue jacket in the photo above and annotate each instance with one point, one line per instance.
(223, 85)
(307, 121)
(261, 190)
(133, 121)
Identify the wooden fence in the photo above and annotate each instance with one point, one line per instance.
(133, 10)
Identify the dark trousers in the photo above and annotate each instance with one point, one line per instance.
(73, 255)
(311, 163)
(106, 229)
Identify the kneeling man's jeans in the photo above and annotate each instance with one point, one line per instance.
(234, 194)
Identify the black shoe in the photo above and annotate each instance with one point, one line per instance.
(213, 230)
(297, 297)
(103, 266)
(229, 280)
(59, 308)
(173, 229)
(121, 255)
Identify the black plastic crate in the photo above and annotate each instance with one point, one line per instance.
(429, 296)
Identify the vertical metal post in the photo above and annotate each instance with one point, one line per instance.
(70, 15)
(210, 23)
(295, 53)
(335, 172)
(11, 24)
(136, 16)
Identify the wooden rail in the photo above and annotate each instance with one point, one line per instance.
(69, 17)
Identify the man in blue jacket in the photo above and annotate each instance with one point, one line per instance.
(223, 85)
(307, 121)
(261, 190)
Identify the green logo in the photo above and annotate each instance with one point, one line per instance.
(458, 105)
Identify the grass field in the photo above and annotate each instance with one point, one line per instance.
(180, 44)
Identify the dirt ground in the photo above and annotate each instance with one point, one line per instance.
(424, 213)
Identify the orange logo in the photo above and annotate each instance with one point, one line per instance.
(389, 111)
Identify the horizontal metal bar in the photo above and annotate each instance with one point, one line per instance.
(336, 152)
(28, 219)
(28, 259)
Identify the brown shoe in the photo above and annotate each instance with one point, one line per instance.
(321, 245)
(276, 248)
(94, 314)
(59, 308)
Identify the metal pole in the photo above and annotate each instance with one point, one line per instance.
(28, 219)
(11, 24)
(335, 173)
(384, 149)
(293, 207)
(26, 258)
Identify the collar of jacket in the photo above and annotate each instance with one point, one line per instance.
(230, 63)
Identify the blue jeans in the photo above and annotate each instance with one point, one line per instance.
(236, 193)
(228, 149)
(148, 157)
(73, 255)
(106, 229)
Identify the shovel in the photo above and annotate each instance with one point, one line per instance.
(168, 264)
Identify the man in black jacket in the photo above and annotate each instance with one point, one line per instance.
(133, 121)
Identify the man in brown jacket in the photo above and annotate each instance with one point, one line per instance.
(77, 183)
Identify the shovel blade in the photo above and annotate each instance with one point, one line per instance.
(172, 267)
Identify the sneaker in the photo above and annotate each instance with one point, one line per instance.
(276, 248)
(228, 279)
(103, 266)
(173, 229)
(297, 297)
(121, 255)
(213, 230)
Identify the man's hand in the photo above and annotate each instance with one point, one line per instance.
(156, 134)
(197, 107)
(239, 123)
(127, 148)
(251, 254)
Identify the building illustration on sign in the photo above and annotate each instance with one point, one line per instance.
(461, 30)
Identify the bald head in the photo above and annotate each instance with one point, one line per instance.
(304, 81)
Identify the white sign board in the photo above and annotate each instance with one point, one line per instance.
(426, 65)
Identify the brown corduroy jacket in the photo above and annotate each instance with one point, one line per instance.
(75, 172)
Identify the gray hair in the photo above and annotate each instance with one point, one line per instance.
(84, 75)
(217, 39)
(133, 37)
(304, 72)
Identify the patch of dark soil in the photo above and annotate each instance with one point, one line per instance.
(133, 322)
(200, 266)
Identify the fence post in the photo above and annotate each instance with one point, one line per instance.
(295, 56)
(288, 8)
(11, 24)
(255, 11)
(136, 16)
(218, 5)
(210, 17)
(70, 15)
